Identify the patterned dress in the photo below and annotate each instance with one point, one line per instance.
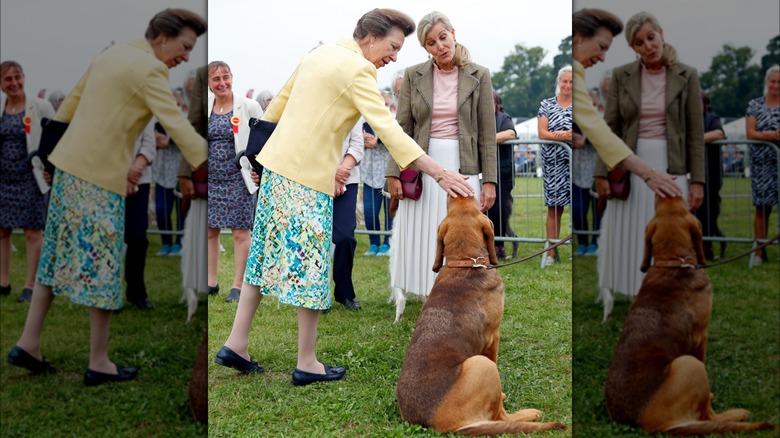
(21, 203)
(763, 159)
(230, 203)
(555, 159)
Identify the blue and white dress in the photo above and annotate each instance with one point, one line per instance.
(763, 159)
(555, 159)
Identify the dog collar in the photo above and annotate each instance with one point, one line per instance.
(467, 263)
(682, 262)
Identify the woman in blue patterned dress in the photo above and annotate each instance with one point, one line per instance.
(22, 205)
(555, 124)
(230, 203)
(763, 123)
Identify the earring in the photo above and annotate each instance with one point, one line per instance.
(372, 45)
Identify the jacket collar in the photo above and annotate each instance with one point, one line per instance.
(143, 45)
(675, 82)
(423, 82)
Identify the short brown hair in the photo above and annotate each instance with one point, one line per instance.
(5, 65)
(586, 22)
(214, 65)
(379, 22)
(170, 23)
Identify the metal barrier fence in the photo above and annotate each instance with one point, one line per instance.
(731, 211)
(528, 200)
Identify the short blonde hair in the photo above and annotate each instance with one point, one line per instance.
(638, 20)
(563, 70)
(462, 55)
(773, 69)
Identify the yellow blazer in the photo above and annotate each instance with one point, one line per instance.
(245, 109)
(333, 85)
(112, 103)
(37, 109)
(609, 146)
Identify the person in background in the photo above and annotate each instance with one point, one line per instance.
(446, 104)
(332, 86)
(137, 219)
(667, 134)
(230, 203)
(56, 98)
(264, 98)
(554, 121)
(344, 219)
(583, 161)
(593, 31)
(762, 122)
(501, 211)
(189, 82)
(372, 174)
(22, 205)
(82, 248)
(165, 200)
(710, 208)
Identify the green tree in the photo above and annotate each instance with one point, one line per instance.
(731, 81)
(772, 56)
(524, 81)
(563, 58)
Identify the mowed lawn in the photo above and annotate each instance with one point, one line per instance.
(534, 358)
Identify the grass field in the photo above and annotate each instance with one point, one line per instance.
(534, 357)
(159, 342)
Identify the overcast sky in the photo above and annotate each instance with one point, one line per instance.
(55, 40)
(263, 41)
(697, 28)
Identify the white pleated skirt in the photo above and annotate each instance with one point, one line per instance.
(415, 226)
(622, 240)
(194, 247)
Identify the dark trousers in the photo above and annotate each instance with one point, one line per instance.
(501, 210)
(136, 224)
(344, 223)
(581, 203)
(373, 201)
(710, 208)
(164, 202)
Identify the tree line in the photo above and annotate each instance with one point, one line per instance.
(730, 82)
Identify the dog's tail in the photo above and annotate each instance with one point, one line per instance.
(490, 428)
(708, 427)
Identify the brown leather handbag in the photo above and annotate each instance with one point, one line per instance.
(200, 182)
(619, 183)
(411, 184)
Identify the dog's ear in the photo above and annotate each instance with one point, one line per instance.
(487, 233)
(438, 259)
(649, 232)
(696, 239)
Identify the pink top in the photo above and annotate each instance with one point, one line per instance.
(445, 104)
(652, 115)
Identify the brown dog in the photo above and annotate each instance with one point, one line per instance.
(449, 379)
(657, 379)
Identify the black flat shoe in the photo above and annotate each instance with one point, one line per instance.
(143, 304)
(5, 290)
(26, 296)
(229, 358)
(23, 359)
(94, 378)
(300, 378)
(351, 304)
(213, 290)
(234, 295)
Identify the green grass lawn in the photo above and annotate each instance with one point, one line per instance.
(743, 351)
(534, 357)
(159, 342)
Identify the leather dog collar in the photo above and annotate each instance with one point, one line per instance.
(467, 263)
(686, 262)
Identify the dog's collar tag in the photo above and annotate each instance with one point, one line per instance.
(471, 262)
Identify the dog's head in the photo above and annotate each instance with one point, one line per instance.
(673, 233)
(464, 233)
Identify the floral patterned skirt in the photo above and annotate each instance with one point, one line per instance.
(82, 246)
(289, 257)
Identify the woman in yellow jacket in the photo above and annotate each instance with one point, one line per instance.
(124, 86)
(289, 254)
